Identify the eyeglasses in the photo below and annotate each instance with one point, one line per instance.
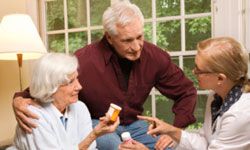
(197, 71)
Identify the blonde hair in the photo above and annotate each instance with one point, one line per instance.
(225, 55)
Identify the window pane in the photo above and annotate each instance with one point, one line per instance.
(199, 113)
(169, 35)
(96, 35)
(197, 6)
(145, 6)
(77, 15)
(196, 30)
(164, 109)
(175, 60)
(56, 43)
(167, 8)
(148, 32)
(54, 15)
(97, 7)
(147, 107)
(200, 108)
(77, 40)
(188, 64)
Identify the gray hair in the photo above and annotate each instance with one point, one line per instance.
(122, 13)
(51, 71)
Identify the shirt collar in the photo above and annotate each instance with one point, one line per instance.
(219, 107)
(58, 113)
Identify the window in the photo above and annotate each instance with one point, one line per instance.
(174, 25)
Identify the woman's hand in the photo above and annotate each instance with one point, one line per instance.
(106, 126)
(23, 115)
(163, 142)
(158, 127)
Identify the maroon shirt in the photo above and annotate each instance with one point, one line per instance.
(103, 82)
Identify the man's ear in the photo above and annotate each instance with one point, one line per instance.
(108, 37)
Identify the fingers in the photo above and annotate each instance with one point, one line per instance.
(171, 145)
(23, 115)
(150, 119)
(34, 103)
(117, 122)
(24, 126)
(29, 114)
(104, 126)
(164, 142)
(152, 125)
(138, 145)
(115, 125)
(125, 146)
(105, 119)
(150, 128)
(25, 123)
(20, 105)
(153, 132)
(161, 146)
(132, 145)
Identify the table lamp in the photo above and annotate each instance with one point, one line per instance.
(19, 40)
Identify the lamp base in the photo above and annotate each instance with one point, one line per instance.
(20, 62)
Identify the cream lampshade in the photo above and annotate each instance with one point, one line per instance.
(19, 40)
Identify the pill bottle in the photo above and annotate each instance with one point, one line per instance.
(113, 112)
(126, 137)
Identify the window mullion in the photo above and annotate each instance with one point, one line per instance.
(88, 21)
(153, 93)
(183, 38)
(65, 13)
(42, 24)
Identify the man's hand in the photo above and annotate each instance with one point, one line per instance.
(164, 142)
(23, 115)
(132, 145)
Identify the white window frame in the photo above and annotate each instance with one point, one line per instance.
(180, 54)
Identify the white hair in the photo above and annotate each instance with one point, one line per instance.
(122, 13)
(51, 71)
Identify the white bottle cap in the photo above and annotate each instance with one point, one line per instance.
(126, 136)
(115, 106)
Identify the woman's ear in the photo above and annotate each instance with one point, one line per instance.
(221, 78)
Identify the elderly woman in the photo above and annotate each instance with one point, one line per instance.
(221, 65)
(64, 122)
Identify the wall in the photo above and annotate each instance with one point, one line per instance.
(232, 18)
(247, 25)
(9, 81)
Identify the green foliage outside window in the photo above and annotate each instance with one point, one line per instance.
(168, 33)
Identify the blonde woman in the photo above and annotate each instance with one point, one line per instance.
(221, 65)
